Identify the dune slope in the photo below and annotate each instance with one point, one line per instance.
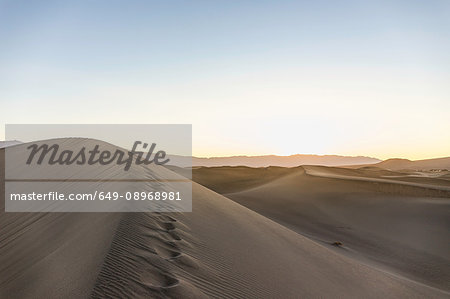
(393, 224)
(419, 165)
(221, 249)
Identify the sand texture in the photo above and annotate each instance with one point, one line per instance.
(271, 241)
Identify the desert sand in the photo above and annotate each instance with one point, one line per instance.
(395, 222)
(435, 165)
(419, 165)
(272, 241)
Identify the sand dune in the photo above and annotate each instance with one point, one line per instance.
(220, 250)
(419, 165)
(392, 224)
(8, 143)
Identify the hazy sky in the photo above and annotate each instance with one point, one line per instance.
(253, 77)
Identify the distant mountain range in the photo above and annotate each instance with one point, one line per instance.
(299, 159)
(325, 160)
(273, 160)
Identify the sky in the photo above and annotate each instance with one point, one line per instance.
(252, 77)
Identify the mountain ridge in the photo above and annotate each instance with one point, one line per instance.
(274, 160)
